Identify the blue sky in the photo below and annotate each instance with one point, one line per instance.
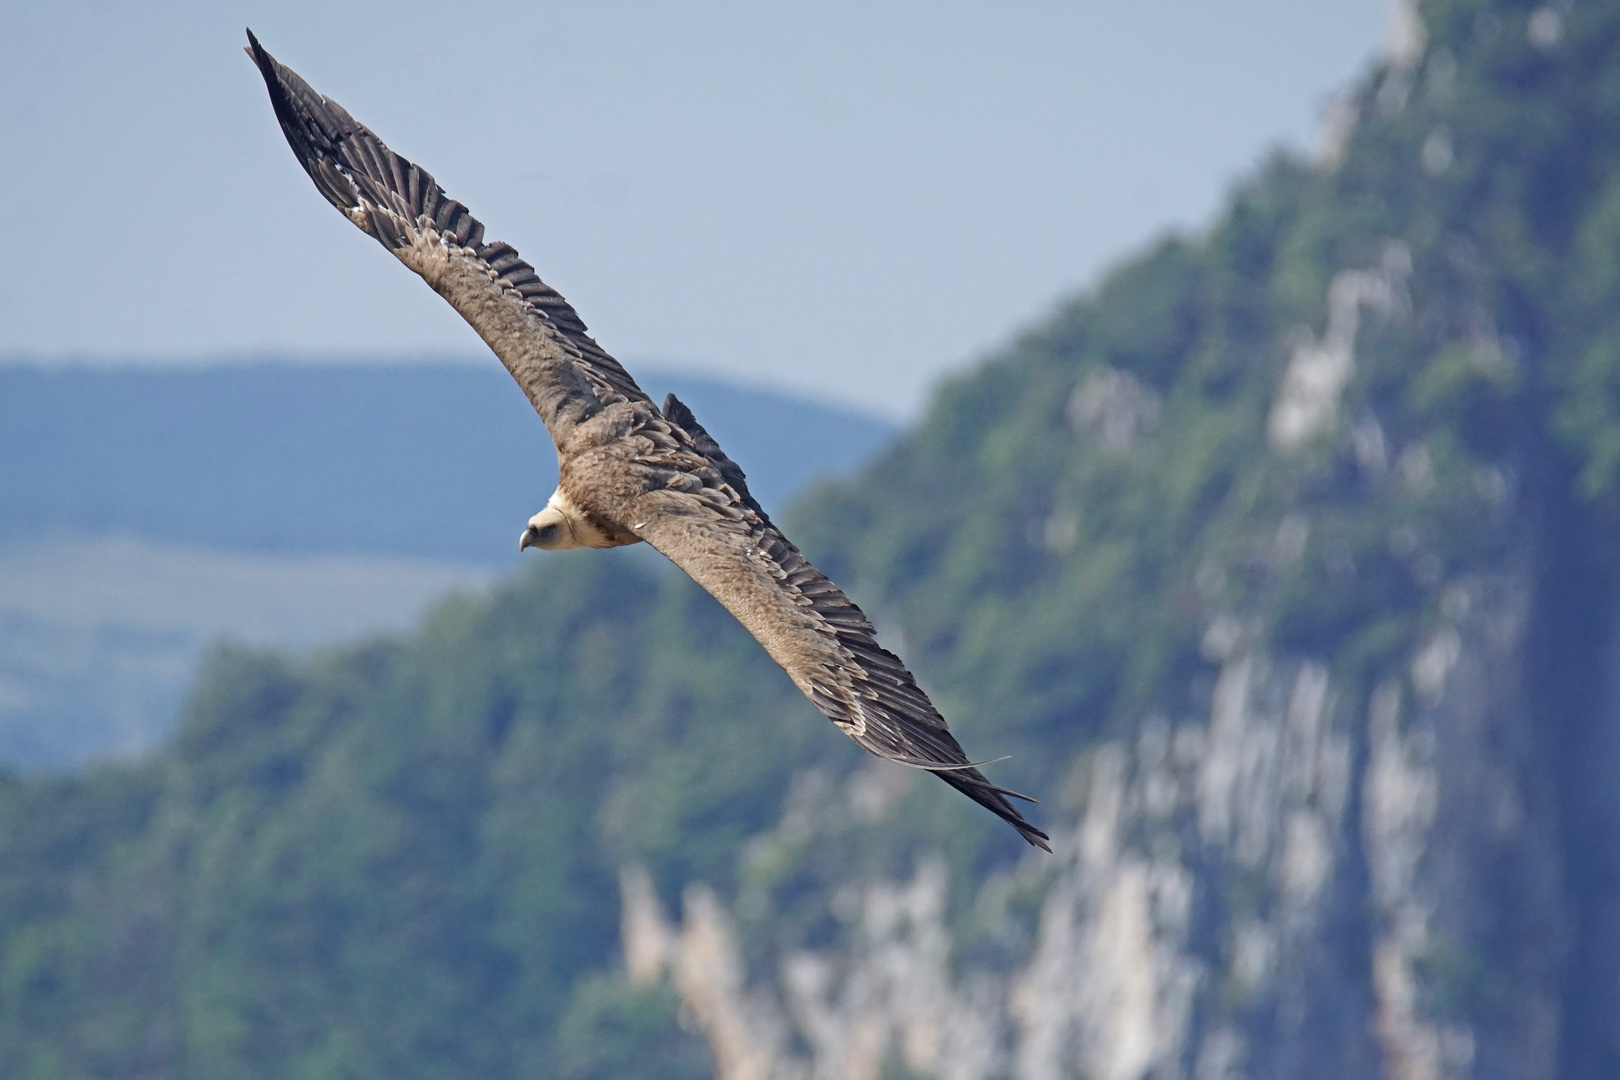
(847, 199)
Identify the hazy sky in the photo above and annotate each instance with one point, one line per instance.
(848, 198)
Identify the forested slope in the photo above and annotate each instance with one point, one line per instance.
(1283, 565)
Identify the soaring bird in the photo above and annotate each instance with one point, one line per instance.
(629, 471)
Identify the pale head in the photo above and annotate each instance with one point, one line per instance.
(561, 526)
(549, 531)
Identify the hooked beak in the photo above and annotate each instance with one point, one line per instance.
(530, 537)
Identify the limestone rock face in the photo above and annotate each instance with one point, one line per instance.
(1298, 542)
(1288, 886)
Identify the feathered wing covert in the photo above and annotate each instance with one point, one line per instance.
(654, 475)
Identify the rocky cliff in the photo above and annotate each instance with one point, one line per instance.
(1369, 829)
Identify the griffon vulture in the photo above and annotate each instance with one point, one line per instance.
(629, 471)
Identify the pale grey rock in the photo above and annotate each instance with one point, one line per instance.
(1294, 884)
(1319, 368)
(1112, 410)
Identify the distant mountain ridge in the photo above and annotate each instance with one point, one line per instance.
(442, 461)
(145, 513)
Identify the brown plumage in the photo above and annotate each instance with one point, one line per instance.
(629, 471)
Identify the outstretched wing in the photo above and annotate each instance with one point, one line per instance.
(711, 528)
(538, 336)
(708, 524)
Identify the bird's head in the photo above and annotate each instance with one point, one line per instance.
(551, 530)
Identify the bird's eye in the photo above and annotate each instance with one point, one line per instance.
(546, 536)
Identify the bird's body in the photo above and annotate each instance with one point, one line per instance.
(628, 470)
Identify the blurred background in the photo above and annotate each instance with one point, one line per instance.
(1218, 406)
